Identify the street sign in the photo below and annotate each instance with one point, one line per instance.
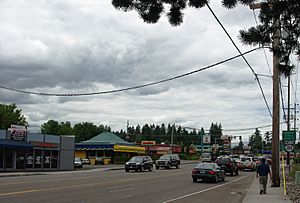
(289, 148)
(289, 135)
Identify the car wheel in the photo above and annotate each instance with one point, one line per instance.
(126, 170)
(177, 166)
(151, 168)
(231, 173)
(223, 178)
(157, 167)
(195, 180)
(216, 179)
(237, 172)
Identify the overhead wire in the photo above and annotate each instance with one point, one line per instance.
(246, 61)
(128, 88)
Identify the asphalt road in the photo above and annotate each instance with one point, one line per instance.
(173, 185)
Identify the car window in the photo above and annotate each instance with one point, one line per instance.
(136, 159)
(205, 165)
(223, 160)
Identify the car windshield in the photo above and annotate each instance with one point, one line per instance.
(223, 160)
(77, 159)
(245, 159)
(136, 159)
(164, 158)
(206, 155)
(206, 165)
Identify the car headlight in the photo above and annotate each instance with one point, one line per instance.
(138, 163)
(126, 163)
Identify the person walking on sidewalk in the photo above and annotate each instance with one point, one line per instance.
(262, 172)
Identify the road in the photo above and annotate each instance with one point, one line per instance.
(173, 185)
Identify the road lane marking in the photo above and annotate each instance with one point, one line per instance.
(122, 190)
(64, 187)
(201, 191)
(85, 185)
(17, 193)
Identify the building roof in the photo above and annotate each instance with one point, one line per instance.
(106, 138)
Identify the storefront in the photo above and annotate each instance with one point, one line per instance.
(33, 151)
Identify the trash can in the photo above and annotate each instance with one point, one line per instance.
(93, 161)
(106, 161)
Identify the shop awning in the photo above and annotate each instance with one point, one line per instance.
(14, 144)
(85, 147)
(123, 148)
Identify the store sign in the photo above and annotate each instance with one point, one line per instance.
(148, 143)
(18, 132)
(44, 144)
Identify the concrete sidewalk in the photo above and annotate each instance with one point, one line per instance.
(274, 194)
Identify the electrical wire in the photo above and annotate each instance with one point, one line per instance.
(246, 129)
(128, 88)
(255, 75)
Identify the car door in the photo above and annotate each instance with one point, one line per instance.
(146, 162)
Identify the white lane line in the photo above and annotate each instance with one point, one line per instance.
(124, 189)
(201, 191)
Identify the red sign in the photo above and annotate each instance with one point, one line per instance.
(148, 143)
(44, 144)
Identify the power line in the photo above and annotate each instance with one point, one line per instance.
(246, 129)
(255, 75)
(127, 88)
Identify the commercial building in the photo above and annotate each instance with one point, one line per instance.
(107, 145)
(22, 151)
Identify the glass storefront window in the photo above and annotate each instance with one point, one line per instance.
(47, 159)
(37, 158)
(29, 158)
(9, 158)
(1, 158)
(54, 159)
(20, 159)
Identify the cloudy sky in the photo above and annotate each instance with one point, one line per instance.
(84, 46)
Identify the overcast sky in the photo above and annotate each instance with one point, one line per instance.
(73, 46)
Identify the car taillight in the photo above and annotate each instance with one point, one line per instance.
(194, 171)
(211, 172)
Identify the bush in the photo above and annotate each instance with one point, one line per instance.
(294, 169)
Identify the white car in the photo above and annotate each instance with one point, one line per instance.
(248, 163)
(77, 162)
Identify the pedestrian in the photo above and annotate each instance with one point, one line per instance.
(262, 172)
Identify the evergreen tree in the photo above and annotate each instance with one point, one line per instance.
(256, 141)
(10, 114)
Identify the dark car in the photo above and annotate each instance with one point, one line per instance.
(228, 165)
(139, 163)
(167, 161)
(208, 171)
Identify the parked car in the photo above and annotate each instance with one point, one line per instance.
(167, 161)
(77, 162)
(228, 165)
(208, 171)
(139, 163)
(248, 163)
(85, 161)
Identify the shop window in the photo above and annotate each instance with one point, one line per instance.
(54, 159)
(20, 159)
(1, 158)
(47, 158)
(29, 158)
(91, 153)
(38, 158)
(9, 158)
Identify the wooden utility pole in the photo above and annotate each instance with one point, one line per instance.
(276, 104)
(276, 107)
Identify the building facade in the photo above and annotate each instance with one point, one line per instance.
(35, 152)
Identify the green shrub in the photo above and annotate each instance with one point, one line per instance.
(294, 169)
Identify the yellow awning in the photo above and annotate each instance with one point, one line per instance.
(122, 148)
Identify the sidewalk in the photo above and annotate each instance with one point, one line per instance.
(274, 194)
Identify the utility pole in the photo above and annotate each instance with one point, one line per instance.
(276, 104)
(288, 118)
(172, 135)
